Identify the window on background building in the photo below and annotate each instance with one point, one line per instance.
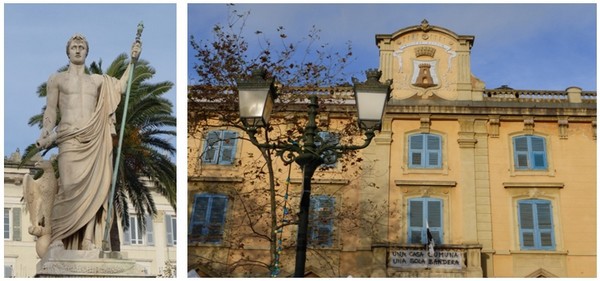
(321, 219)
(208, 218)
(219, 147)
(8, 271)
(328, 138)
(530, 153)
(12, 224)
(171, 224)
(421, 212)
(425, 151)
(135, 235)
(536, 229)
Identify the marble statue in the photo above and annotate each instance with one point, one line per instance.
(83, 105)
(39, 197)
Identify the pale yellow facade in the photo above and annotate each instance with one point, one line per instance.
(481, 190)
(20, 257)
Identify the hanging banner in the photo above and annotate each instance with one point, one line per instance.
(413, 258)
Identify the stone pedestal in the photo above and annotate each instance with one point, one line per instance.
(93, 263)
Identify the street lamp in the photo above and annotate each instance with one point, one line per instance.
(256, 101)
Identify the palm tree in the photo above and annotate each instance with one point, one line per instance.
(146, 152)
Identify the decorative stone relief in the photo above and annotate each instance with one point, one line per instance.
(425, 123)
(563, 125)
(528, 125)
(494, 122)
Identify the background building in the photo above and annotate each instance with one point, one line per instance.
(154, 249)
(503, 179)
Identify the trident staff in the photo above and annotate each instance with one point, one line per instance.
(105, 243)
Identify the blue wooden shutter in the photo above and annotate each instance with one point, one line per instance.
(415, 221)
(434, 151)
(544, 219)
(434, 217)
(210, 153)
(419, 210)
(169, 226)
(521, 150)
(538, 153)
(416, 151)
(535, 224)
(321, 220)
(198, 220)
(149, 231)
(216, 219)
(227, 148)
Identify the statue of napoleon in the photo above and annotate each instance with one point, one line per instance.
(84, 106)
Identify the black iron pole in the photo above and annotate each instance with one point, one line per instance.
(309, 161)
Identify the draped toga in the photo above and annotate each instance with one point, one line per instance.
(85, 166)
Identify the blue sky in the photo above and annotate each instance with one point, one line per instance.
(525, 46)
(35, 37)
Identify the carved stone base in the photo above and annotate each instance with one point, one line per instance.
(94, 263)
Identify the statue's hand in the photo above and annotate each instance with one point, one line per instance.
(136, 50)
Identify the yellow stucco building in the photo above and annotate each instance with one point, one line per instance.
(504, 180)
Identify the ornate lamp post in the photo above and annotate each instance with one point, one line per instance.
(256, 101)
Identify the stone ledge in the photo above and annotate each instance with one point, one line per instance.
(417, 183)
(215, 179)
(322, 181)
(533, 184)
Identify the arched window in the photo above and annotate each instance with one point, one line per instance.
(208, 218)
(219, 147)
(536, 229)
(425, 151)
(423, 213)
(530, 153)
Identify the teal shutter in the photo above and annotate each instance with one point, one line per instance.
(198, 219)
(169, 226)
(16, 224)
(419, 210)
(149, 231)
(535, 224)
(219, 147)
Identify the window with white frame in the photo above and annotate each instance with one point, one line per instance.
(207, 222)
(219, 147)
(530, 153)
(171, 225)
(321, 218)
(424, 151)
(536, 229)
(12, 224)
(422, 213)
(135, 235)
